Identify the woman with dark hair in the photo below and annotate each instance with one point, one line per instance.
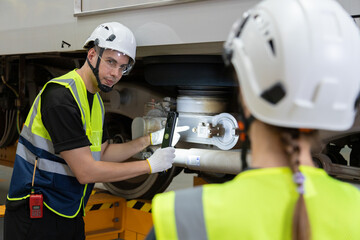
(297, 63)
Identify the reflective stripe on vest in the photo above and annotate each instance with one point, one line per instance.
(179, 215)
(35, 143)
(189, 214)
(43, 163)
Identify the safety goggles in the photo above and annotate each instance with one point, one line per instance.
(111, 63)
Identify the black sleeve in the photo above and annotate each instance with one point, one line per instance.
(105, 135)
(61, 117)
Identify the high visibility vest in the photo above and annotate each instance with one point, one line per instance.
(62, 193)
(259, 204)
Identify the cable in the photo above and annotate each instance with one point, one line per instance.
(11, 88)
(18, 121)
(18, 111)
(9, 122)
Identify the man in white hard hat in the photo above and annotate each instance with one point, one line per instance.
(63, 148)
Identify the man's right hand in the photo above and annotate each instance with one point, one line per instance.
(161, 160)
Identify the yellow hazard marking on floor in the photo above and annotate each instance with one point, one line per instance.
(100, 206)
(146, 207)
(97, 190)
(106, 206)
(139, 205)
(131, 203)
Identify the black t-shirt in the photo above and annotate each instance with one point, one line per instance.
(62, 119)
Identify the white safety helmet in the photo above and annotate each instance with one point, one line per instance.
(298, 63)
(115, 36)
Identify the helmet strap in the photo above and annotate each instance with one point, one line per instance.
(95, 70)
(244, 150)
(246, 142)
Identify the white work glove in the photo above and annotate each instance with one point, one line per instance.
(161, 160)
(157, 137)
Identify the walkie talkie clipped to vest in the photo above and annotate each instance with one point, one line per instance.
(36, 200)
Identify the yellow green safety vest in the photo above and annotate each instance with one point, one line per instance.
(259, 204)
(62, 193)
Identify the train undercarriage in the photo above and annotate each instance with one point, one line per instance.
(199, 87)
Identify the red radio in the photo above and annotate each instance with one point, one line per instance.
(36, 205)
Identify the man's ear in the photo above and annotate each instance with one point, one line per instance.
(91, 53)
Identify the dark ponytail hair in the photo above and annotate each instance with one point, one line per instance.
(301, 229)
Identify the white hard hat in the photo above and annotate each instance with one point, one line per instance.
(297, 63)
(115, 36)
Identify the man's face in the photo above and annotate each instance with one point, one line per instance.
(111, 67)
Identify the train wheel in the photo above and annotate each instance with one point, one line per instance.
(143, 186)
